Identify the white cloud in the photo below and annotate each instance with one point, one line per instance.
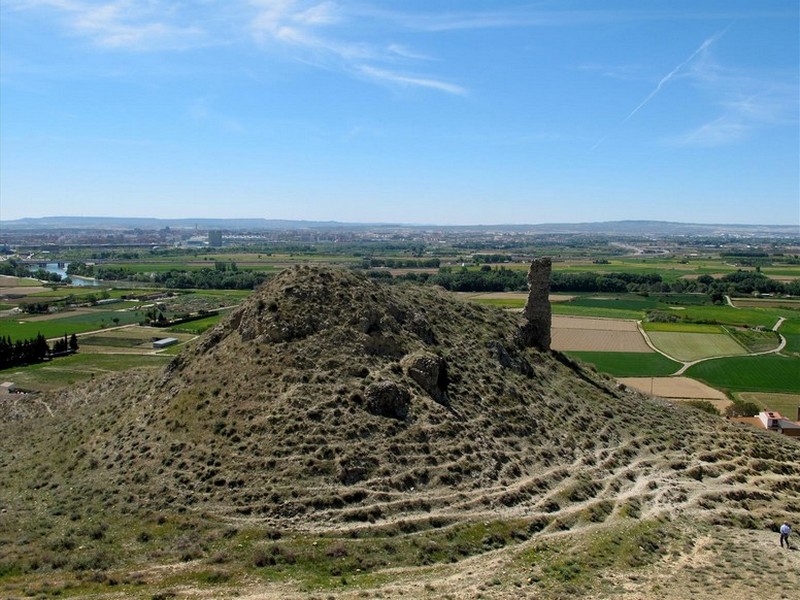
(121, 24)
(321, 34)
(745, 103)
(719, 132)
(411, 81)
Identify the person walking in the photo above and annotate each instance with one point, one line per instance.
(785, 531)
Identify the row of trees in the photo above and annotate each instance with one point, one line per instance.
(401, 263)
(499, 279)
(25, 352)
(224, 276)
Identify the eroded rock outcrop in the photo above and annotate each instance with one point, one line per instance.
(430, 372)
(387, 399)
(534, 330)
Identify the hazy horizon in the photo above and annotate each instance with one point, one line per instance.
(448, 113)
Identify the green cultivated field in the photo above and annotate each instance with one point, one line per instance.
(790, 329)
(792, 344)
(769, 373)
(692, 346)
(500, 302)
(18, 328)
(753, 317)
(629, 364)
(608, 312)
(197, 327)
(682, 327)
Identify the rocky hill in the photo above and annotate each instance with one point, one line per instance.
(337, 436)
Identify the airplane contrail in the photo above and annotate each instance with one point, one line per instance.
(671, 74)
(664, 80)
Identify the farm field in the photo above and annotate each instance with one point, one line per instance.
(19, 286)
(629, 364)
(767, 303)
(683, 328)
(693, 346)
(752, 317)
(605, 312)
(768, 373)
(198, 326)
(596, 335)
(674, 388)
(18, 327)
(515, 300)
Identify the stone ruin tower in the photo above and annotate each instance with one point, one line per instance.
(535, 327)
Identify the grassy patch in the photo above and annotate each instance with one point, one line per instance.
(683, 327)
(629, 364)
(575, 567)
(196, 327)
(786, 404)
(69, 370)
(501, 302)
(769, 373)
(691, 346)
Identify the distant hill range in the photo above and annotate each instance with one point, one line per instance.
(628, 227)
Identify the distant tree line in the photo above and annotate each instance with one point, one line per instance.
(490, 258)
(401, 263)
(499, 279)
(224, 276)
(25, 352)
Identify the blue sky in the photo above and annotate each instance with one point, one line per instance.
(448, 112)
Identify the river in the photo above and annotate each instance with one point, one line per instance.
(61, 269)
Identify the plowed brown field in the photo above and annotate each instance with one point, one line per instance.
(596, 335)
(674, 387)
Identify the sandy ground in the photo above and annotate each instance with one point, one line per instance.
(596, 335)
(674, 387)
(598, 341)
(562, 322)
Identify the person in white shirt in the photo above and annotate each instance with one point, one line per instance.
(785, 531)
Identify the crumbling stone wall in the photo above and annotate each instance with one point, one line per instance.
(537, 316)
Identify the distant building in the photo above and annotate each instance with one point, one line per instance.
(196, 241)
(164, 342)
(215, 239)
(774, 421)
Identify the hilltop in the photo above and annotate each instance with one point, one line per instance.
(335, 435)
